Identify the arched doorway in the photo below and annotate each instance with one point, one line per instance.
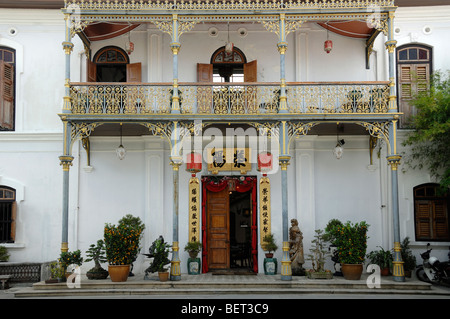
(112, 64)
(227, 67)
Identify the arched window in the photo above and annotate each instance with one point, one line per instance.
(413, 73)
(7, 214)
(7, 88)
(228, 67)
(431, 213)
(112, 64)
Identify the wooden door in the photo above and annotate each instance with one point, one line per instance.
(218, 237)
(204, 72)
(91, 71)
(250, 72)
(134, 72)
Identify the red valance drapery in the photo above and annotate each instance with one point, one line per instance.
(242, 185)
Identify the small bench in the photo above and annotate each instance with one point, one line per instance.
(4, 279)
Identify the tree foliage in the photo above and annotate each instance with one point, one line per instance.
(430, 140)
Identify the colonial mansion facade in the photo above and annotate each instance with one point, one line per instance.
(215, 121)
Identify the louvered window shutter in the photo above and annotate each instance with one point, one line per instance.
(440, 220)
(423, 220)
(7, 96)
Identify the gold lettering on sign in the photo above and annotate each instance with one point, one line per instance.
(194, 209)
(229, 159)
(264, 207)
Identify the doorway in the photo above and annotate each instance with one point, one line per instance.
(229, 215)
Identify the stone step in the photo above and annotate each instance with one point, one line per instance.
(210, 285)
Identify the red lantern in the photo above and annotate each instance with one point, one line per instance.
(265, 162)
(328, 46)
(194, 162)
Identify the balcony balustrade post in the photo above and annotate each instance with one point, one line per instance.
(391, 44)
(282, 47)
(68, 47)
(175, 47)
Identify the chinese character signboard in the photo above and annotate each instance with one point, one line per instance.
(264, 207)
(194, 209)
(229, 159)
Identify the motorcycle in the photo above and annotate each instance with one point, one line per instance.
(433, 270)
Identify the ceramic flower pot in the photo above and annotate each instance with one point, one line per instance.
(119, 273)
(352, 271)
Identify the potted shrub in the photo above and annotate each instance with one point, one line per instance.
(121, 246)
(270, 264)
(382, 258)
(351, 244)
(159, 250)
(409, 260)
(193, 248)
(4, 256)
(330, 235)
(137, 224)
(57, 273)
(96, 253)
(68, 258)
(317, 257)
(269, 245)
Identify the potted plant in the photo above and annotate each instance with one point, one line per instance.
(121, 245)
(382, 258)
(351, 244)
(137, 224)
(4, 256)
(193, 248)
(159, 250)
(330, 235)
(57, 273)
(270, 264)
(96, 253)
(317, 257)
(409, 260)
(68, 258)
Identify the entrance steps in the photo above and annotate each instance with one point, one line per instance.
(208, 284)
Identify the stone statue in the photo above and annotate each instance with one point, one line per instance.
(296, 249)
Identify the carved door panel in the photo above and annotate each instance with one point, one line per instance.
(218, 230)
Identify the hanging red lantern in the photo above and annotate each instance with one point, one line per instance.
(194, 162)
(129, 47)
(265, 162)
(328, 46)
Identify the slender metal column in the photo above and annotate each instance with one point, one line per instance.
(394, 162)
(176, 160)
(393, 158)
(286, 269)
(175, 47)
(282, 47)
(66, 159)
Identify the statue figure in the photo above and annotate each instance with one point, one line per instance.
(296, 249)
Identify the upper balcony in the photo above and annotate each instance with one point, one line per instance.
(230, 100)
(279, 94)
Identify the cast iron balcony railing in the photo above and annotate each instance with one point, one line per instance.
(229, 98)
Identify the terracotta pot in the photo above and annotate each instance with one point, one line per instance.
(119, 273)
(384, 271)
(352, 271)
(163, 276)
